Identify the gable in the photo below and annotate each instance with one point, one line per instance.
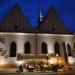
(16, 21)
(52, 24)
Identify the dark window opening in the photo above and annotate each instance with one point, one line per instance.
(69, 50)
(15, 26)
(56, 48)
(53, 29)
(27, 48)
(44, 48)
(13, 49)
(74, 46)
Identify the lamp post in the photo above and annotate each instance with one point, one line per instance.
(47, 59)
(36, 46)
(57, 60)
(36, 42)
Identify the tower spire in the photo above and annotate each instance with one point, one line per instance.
(41, 17)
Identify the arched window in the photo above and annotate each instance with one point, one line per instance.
(56, 48)
(13, 49)
(44, 48)
(65, 53)
(69, 50)
(27, 48)
(74, 46)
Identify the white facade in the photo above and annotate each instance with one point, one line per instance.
(21, 38)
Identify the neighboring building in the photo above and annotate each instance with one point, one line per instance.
(51, 36)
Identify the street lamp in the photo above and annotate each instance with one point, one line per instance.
(36, 46)
(47, 59)
(57, 58)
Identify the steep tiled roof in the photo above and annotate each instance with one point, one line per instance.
(16, 21)
(52, 24)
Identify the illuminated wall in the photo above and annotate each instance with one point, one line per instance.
(21, 38)
(50, 39)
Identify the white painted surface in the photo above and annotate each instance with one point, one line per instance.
(21, 38)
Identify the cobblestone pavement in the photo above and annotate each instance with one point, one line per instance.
(40, 73)
(11, 71)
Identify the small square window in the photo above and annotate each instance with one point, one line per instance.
(15, 26)
(53, 29)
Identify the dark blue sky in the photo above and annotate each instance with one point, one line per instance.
(65, 9)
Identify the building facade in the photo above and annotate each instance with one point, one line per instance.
(51, 36)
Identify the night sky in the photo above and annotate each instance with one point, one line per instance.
(31, 8)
